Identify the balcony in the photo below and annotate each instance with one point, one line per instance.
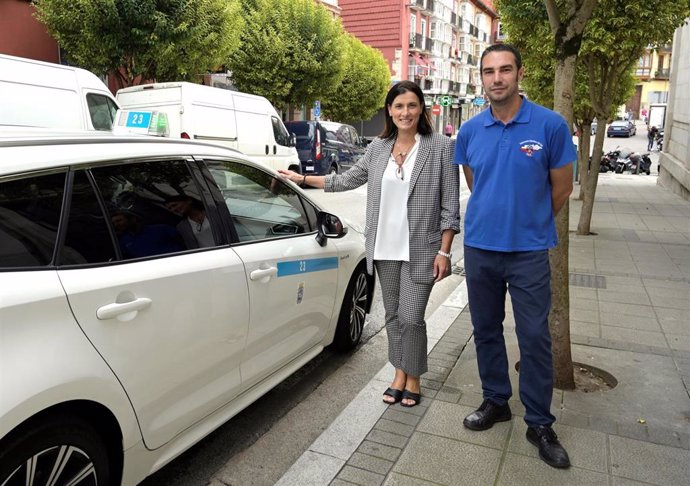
(662, 74)
(427, 5)
(418, 41)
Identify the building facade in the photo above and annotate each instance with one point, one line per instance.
(435, 43)
(22, 35)
(652, 73)
(674, 162)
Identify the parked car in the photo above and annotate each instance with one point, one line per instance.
(151, 290)
(324, 147)
(621, 128)
(593, 130)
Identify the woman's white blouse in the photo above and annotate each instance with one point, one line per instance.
(393, 230)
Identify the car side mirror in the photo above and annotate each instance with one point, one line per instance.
(328, 226)
(293, 140)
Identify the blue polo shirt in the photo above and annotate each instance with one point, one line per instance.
(510, 206)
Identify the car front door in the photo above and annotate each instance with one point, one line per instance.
(292, 279)
(168, 309)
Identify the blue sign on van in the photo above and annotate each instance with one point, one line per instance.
(317, 108)
(138, 119)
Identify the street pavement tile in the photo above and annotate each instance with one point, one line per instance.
(370, 463)
(445, 420)
(519, 470)
(399, 415)
(584, 328)
(340, 482)
(630, 322)
(585, 315)
(449, 394)
(379, 450)
(626, 482)
(612, 266)
(394, 427)
(658, 270)
(607, 295)
(360, 476)
(395, 479)
(311, 468)
(651, 463)
(586, 448)
(584, 303)
(630, 309)
(634, 336)
(448, 462)
(676, 321)
(678, 341)
(680, 301)
(386, 438)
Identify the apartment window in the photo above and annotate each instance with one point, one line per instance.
(413, 24)
(422, 29)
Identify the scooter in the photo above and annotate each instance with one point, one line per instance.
(622, 160)
(608, 160)
(660, 140)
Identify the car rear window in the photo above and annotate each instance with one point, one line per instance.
(304, 133)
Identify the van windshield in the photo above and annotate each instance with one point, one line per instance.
(304, 133)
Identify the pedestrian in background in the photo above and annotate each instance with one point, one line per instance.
(449, 129)
(412, 216)
(517, 159)
(651, 137)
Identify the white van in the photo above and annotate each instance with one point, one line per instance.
(245, 122)
(43, 94)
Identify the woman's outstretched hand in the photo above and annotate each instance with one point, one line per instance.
(290, 175)
(441, 268)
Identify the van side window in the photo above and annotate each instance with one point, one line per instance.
(261, 206)
(155, 208)
(280, 132)
(101, 110)
(30, 210)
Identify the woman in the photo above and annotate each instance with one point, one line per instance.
(412, 216)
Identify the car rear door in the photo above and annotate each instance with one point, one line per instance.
(292, 279)
(170, 320)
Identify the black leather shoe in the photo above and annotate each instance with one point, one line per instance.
(487, 415)
(550, 450)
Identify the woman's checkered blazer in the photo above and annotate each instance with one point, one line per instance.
(433, 203)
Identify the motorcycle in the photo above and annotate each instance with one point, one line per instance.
(608, 160)
(660, 140)
(622, 160)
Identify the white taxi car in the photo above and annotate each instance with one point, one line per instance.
(152, 289)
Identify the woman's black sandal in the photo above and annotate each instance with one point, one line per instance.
(417, 397)
(396, 395)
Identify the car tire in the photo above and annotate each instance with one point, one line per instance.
(353, 312)
(333, 169)
(71, 442)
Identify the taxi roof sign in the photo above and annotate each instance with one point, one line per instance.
(142, 122)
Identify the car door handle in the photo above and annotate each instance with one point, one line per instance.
(113, 310)
(263, 273)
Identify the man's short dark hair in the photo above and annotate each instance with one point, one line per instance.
(502, 48)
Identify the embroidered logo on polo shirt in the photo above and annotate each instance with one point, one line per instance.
(528, 147)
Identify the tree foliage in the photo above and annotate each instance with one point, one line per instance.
(290, 51)
(144, 39)
(362, 91)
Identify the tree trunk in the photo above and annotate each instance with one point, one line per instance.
(584, 225)
(559, 317)
(583, 160)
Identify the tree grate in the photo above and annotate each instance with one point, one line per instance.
(588, 281)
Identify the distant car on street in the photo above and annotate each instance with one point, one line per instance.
(594, 125)
(326, 147)
(621, 128)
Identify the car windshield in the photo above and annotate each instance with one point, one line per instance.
(620, 123)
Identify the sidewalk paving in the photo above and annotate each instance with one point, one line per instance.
(630, 316)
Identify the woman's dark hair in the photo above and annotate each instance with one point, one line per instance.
(424, 126)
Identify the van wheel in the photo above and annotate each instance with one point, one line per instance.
(353, 311)
(66, 445)
(295, 168)
(333, 169)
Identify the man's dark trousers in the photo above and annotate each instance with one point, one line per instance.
(527, 276)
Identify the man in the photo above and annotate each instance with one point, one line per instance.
(448, 130)
(517, 159)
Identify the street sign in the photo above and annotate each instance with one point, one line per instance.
(446, 100)
(436, 110)
(317, 108)
(479, 101)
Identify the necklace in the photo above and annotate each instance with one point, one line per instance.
(402, 155)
